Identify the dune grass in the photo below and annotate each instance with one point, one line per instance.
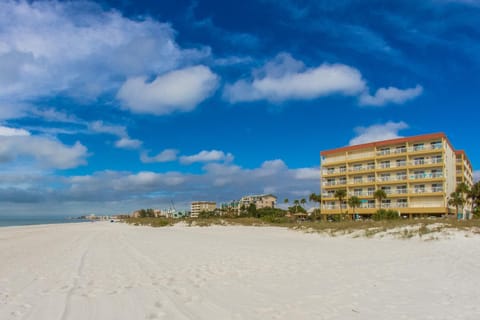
(402, 228)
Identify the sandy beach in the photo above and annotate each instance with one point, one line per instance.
(115, 271)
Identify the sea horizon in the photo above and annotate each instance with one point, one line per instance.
(12, 220)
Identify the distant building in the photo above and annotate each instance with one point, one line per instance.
(200, 206)
(260, 201)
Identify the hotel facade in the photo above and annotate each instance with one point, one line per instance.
(417, 174)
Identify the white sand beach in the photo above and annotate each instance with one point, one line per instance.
(115, 271)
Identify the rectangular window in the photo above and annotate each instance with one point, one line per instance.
(385, 176)
(401, 163)
(419, 188)
(437, 187)
(401, 189)
(436, 145)
(371, 178)
(384, 151)
(401, 175)
(400, 149)
(371, 166)
(357, 167)
(385, 164)
(419, 161)
(418, 146)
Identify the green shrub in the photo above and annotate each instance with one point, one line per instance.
(275, 219)
(383, 214)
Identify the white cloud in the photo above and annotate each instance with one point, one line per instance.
(166, 155)
(124, 141)
(44, 151)
(307, 174)
(388, 95)
(476, 175)
(127, 143)
(80, 49)
(206, 156)
(378, 132)
(286, 78)
(9, 132)
(179, 90)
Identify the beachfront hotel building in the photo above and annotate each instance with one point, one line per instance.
(260, 201)
(199, 206)
(417, 174)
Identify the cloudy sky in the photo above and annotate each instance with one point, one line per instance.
(110, 106)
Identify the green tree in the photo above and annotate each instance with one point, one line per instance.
(457, 200)
(296, 203)
(303, 201)
(354, 202)
(340, 194)
(474, 197)
(252, 210)
(464, 190)
(315, 198)
(380, 195)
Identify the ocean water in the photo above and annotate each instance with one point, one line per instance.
(7, 221)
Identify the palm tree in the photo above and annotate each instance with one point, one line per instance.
(296, 203)
(474, 196)
(354, 202)
(340, 194)
(456, 200)
(315, 198)
(380, 195)
(303, 201)
(463, 190)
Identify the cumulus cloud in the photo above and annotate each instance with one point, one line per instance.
(80, 49)
(378, 132)
(45, 151)
(9, 132)
(476, 175)
(179, 90)
(124, 140)
(207, 156)
(166, 155)
(285, 78)
(388, 95)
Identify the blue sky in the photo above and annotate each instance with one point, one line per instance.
(110, 106)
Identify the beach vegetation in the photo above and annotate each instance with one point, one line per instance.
(383, 214)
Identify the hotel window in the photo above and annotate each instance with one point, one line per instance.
(401, 175)
(357, 192)
(371, 204)
(400, 149)
(387, 190)
(371, 178)
(343, 169)
(419, 188)
(384, 151)
(386, 203)
(419, 161)
(437, 187)
(436, 145)
(343, 180)
(330, 182)
(402, 203)
(357, 167)
(371, 165)
(371, 191)
(385, 176)
(420, 174)
(418, 146)
(385, 164)
(437, 173)
(401, 189)
(437, 159)
(330, 170)
(401, 162)
(358, 179)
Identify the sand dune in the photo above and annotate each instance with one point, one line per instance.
(114, 271)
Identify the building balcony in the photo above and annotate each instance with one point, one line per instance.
(425, 176)
(425, 148)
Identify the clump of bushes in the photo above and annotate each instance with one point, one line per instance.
(383, 214)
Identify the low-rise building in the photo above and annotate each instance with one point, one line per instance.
(199, 206)
(260, 201)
